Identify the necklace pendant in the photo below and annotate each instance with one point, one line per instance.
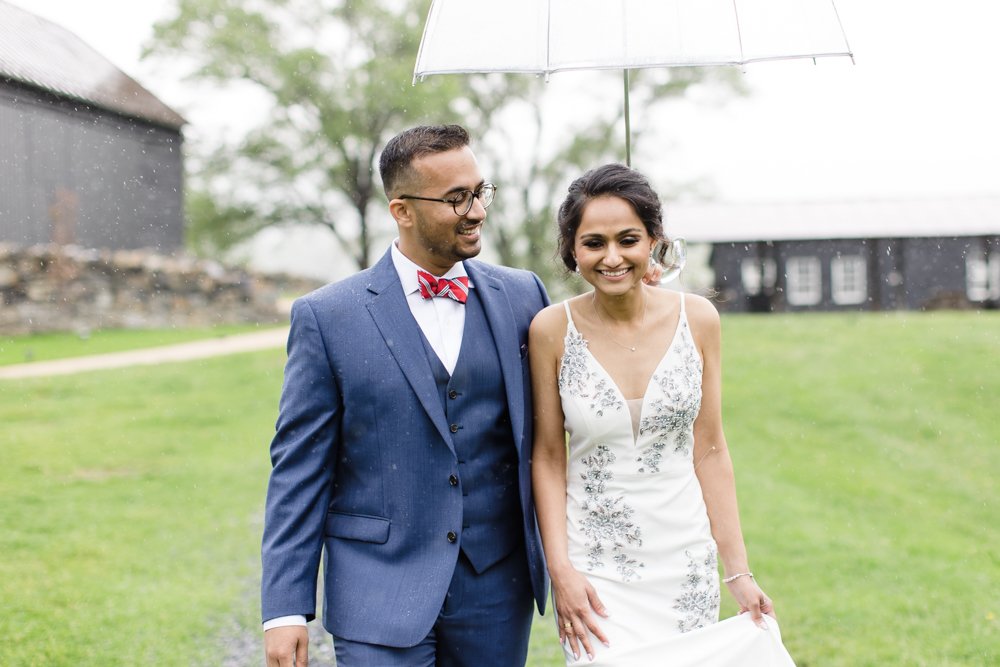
(632, 348)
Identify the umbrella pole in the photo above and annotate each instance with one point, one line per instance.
(628, 125)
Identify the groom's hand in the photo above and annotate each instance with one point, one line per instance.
(652, 275)
(287, 646)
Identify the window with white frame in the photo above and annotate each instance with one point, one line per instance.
(804, 281)
(982, 276)
(848, 280)
(757, 273)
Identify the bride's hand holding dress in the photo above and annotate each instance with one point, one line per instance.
(751, 599)
(576, 601)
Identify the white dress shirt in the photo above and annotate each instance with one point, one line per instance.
(442, 322)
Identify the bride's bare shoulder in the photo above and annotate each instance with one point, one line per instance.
(548, 316)
(548, 330)
(550, 322)
(555, 315)
(701, 313)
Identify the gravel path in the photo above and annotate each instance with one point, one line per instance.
(200, 349)
(242, 645)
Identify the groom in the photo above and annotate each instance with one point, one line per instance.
(403, 440)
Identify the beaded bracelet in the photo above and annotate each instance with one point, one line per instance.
(737, 576)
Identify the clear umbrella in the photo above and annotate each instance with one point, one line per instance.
(546, 36)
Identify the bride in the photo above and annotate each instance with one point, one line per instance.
(636, 512)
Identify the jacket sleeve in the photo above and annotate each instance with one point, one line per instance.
(303, 453)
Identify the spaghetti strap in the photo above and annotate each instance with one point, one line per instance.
(682, 303)
(569, 315)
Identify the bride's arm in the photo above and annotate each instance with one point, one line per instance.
(714, 466)
(573, 595)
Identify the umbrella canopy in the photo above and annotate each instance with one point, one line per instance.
(545, 36)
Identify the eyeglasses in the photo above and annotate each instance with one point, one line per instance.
(461, 202)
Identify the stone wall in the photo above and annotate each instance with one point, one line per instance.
(67, 288)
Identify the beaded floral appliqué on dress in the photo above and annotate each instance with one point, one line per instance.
(574, 375)
(699, 599)
(671, 417)
(606, 396)
(607, 520)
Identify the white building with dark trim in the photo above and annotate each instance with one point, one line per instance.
(87, 155)
(863, 255)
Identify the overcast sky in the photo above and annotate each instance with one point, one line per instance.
(915, 116)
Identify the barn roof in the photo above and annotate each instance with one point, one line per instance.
(39, 53)
(922, 217)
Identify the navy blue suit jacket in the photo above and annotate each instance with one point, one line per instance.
(362, 455)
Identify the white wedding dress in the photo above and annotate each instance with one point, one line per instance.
(636, 521)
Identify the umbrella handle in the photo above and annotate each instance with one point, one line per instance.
(628, 124)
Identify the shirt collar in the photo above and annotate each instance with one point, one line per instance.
(407, 270)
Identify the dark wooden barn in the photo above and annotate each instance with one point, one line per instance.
(87, 155)
(865, 255)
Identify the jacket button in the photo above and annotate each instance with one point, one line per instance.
(454, 428)
(452, 394)
(453, 480)
(452, 536)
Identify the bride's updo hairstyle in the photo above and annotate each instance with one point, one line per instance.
(611, 180)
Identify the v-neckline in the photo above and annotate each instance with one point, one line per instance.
(649, 382)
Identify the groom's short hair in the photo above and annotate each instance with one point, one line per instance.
(395, 165)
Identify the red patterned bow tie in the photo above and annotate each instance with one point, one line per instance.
(430, 287)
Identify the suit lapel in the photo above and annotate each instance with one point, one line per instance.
(401, 334)
(500, 316)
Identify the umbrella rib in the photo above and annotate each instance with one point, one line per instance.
(423, 38)
(548, 37)
(541, 71)
(842, 31)
(739, 31)
(628, 119)
(765, 59)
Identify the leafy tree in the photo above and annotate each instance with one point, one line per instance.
(338, 78)
(337, 74)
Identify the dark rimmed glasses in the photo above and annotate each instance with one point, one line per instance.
(461, 202)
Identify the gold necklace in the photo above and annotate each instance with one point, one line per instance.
(642, 320)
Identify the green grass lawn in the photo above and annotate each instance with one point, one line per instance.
(44, 347)
(867, 450)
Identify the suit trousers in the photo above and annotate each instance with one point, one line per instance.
(484, 622)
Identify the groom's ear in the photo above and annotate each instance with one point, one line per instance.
(401, 212)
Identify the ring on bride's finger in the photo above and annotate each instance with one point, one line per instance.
(568, 626)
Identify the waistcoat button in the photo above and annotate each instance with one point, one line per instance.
(454, 428)
(452, 394)
(452, 537)
(453, 480)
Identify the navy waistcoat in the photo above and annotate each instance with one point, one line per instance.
(475, 404)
